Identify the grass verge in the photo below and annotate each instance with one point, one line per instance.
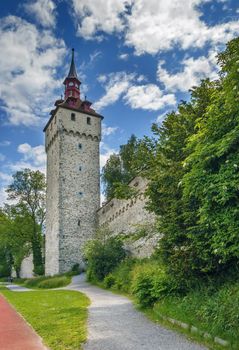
(214, 312)
(59, 317)
(211, 307)
(45, 282)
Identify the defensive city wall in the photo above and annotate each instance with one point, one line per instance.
(131, 219)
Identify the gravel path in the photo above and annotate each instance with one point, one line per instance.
(114, 324)
(17, 288)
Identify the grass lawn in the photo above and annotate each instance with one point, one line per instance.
(59, 317)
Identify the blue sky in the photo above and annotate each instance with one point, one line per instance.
(136, 59)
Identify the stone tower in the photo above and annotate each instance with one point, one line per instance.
(72, 137)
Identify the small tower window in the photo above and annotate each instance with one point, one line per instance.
(73, 116)
(78, 223)
(71, 83)
(80, 146)
(88, 120)
(80, 168)
(80, 194)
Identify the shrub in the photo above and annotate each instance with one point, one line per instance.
(47, 282)
(109, 280)
(54, 282)
(33, 282)
(102, 257)
(150, 283)
(123, 275)
(39, 270)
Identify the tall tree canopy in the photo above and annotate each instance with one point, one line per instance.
(124, 166)
(192, 165)
(28, 190)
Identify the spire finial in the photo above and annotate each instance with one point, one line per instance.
(72, 71)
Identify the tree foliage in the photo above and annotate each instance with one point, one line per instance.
(124, 166)
(192, 165)
(26, 217)
(194, 181)
(102, 255)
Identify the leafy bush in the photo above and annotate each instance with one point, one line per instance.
(147, 280)
(47, 282)
(123, 275)
(109, 280)
(39, 270)
(102, 257)
(143, 282)
(54, 282)
(4, 270)
(33, 282)
(3, 279)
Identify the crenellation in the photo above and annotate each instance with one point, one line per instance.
(127, 216)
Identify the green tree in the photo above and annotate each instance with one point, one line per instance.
(165, 173)
(28, 189)
(18, 234)
(123, 167)
(212, 175)
(5, 253)
(103, 254)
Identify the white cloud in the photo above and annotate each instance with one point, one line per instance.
(43, 11)
(105, 153)
(99, 15)
(5, 177)
(28, 62)
(89, 63)
(148, 97)
(115, 85)
(35, 155)
(193, 71)
(102, 78)
(108, 130)
(102, 198)
(2, 157)
(5, 143)
(33, 158)
(141, 78)
(121, 84)
(124, 56)
(5, 180)
(151, 25)
(3, 196)
(160, 118)
(158, 25)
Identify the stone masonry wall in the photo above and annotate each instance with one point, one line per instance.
(52, 200)
(73, 190)
(130, 216)
(27, 267)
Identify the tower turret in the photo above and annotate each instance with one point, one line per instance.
(72, 137)
(72, 83)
